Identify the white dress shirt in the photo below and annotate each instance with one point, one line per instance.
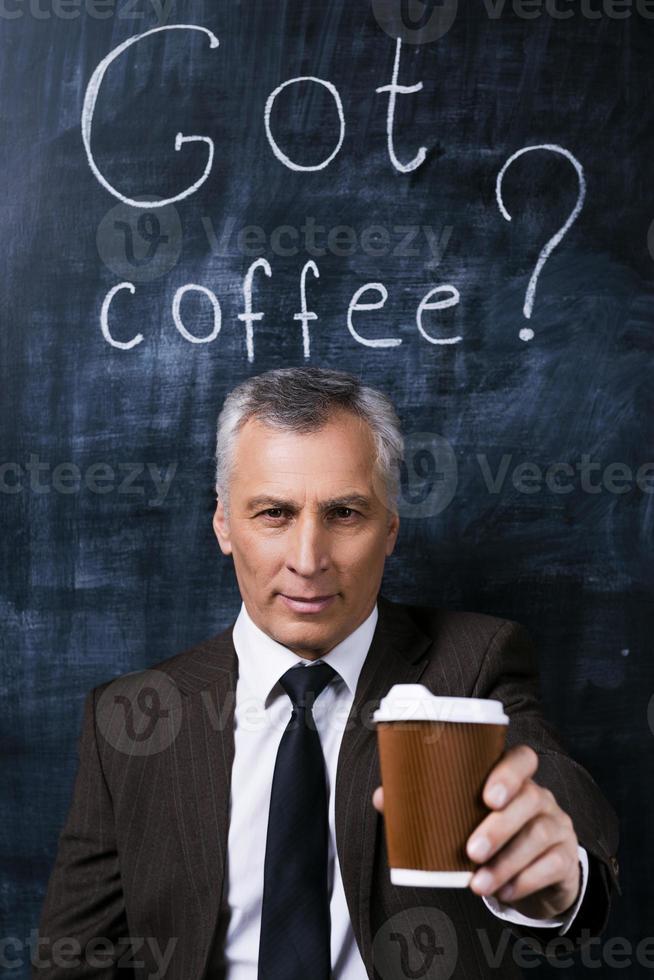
(262, 712)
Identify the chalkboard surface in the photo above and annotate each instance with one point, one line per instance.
(453, 202)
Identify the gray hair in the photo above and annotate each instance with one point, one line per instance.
(302, 400)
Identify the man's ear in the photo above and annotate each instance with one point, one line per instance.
(221, 528)
(392, 531)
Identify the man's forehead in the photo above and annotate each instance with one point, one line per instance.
(336, 460)
(304, 484)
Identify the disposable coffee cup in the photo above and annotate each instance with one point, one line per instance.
(435, 755)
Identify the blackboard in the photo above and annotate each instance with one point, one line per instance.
(479, 175)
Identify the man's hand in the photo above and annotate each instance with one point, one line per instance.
(528, 842)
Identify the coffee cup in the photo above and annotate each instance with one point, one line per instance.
(435, 755)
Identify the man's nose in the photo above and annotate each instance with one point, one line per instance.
(308, 551)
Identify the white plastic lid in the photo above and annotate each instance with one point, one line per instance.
(414, 702)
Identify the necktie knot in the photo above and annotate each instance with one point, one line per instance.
(304, 684)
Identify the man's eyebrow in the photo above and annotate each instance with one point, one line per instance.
(346, 500)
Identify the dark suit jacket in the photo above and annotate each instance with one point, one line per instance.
(143, 850)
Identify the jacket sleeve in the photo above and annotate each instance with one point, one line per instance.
(509, 673)
(83, 915)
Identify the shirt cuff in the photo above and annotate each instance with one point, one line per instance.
(563, 923)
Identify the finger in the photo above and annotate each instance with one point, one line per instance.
(549, 868)
(378, 799)
(516, 765)
(500, 826)
(536, 838)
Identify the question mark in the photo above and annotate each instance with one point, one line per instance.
(526, 333)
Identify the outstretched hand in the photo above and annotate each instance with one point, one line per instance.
(527, 844)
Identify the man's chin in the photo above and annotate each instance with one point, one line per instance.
(308, 637)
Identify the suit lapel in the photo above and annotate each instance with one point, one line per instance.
(200, 778)
(395, 657)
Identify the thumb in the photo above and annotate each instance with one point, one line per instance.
(378, 799)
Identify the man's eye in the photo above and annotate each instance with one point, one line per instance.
(274, 512)
(344, 512)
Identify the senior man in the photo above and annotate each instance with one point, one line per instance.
(239, 834)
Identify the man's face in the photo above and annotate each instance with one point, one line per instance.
(307, 520)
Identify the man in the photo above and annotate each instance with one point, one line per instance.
(227, 838)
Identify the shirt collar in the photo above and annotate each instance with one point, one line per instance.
(262, 661)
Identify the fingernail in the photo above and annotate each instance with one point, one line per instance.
(478, 848)
(497, 795)
(483, 880)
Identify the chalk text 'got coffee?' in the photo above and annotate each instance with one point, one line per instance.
(369, 296)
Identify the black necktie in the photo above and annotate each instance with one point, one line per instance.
(295, 924)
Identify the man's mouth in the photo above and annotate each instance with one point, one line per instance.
(307, 604)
